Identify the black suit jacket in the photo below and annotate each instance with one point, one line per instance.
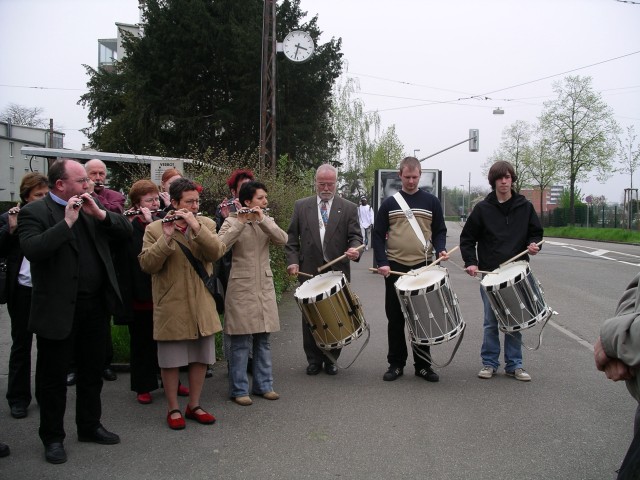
(10, 249)
(51, 247)
(343, 232)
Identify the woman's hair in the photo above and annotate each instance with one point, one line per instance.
(168, 173)
(237, 176)
(140, 189)
(30, 181)
(248, 190)
(181, 185)
(500, 169)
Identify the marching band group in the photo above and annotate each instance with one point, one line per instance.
(75, 257)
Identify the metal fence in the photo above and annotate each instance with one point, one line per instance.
(601, 216)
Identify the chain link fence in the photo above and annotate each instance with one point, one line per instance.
(600, 216)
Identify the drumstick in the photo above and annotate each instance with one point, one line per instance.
(520, 254)
(305, 274)
(486, 273)
(440, 259)
(336, 260)
(393, 273)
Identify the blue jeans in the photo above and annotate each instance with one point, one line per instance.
(490, 351)
(239, 347)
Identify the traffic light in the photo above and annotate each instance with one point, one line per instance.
(474, 139)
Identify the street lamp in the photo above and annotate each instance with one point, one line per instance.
(462, 213)
(414, 152)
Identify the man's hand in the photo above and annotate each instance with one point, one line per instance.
(384, 271)
(90, 207)
(352, 254)
(472, 270)
(613, 368)
(533, 248)
(293, 269)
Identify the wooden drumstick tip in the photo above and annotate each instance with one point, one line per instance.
(305, 274)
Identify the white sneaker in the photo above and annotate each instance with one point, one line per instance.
(519, 374)
(487, 372)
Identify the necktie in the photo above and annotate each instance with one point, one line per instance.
(324, 212)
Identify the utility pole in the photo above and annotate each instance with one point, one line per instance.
(268, 88)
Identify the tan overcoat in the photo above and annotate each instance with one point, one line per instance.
(183, 308)
(250, 302)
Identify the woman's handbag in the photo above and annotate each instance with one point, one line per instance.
(212, 282)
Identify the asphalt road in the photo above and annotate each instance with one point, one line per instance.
(568, 423)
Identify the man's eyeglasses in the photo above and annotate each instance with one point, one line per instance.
(82, 180)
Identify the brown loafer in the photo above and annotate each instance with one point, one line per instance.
(244, 401)
(271, 396)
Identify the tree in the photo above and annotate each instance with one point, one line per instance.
(192, 82)
(542, 169)
(26, 116)
(627, 158)
(363, 150)
(515, 149)
(581, 129)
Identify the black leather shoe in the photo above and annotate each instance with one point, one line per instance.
(18, 411)
(331, 368)
(428, 374)
(4, 450)
(71, 379)
(209, 372)
(109, 375)
(392, 374)
(54, 453)
(313, 369)
(100, 435)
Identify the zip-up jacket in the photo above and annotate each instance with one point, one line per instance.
(499, 237)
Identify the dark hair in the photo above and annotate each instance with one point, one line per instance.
(237, 176)
(500, 169)
(57, 171)
(248, 190)
(410, 162)
(140, 189)
(181, 185)
(30, 181)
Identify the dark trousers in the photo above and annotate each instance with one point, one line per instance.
(19, 385)
(143, 353)
(85, 345)
(630, 468)
(397, 356)
(315, 355)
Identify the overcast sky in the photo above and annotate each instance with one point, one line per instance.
(409, 56)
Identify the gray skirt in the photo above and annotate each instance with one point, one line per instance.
(173, 354)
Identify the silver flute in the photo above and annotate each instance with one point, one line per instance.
(131, 213)
(173, 218)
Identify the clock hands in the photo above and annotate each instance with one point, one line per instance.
(298, 47)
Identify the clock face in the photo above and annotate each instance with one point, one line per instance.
(298, 46)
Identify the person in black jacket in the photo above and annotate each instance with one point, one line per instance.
(500, 226)
(33, 186)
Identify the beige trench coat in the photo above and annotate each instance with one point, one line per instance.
(183, 308)
(250, 301)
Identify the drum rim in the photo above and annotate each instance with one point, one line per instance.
(324, 294)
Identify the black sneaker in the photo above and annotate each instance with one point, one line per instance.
(428, 374)
(392, 374)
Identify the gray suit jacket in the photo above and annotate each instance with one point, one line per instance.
(51, 247)
(343, 232)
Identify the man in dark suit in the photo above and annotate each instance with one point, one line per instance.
(69, 302)
(323, 227)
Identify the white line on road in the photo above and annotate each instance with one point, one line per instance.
(572, 335)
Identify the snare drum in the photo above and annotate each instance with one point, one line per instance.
(332, 311)
(516, 297)
(429, 306)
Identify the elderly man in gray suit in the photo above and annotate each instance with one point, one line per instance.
(323, 227)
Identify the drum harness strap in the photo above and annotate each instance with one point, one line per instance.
(413, 222)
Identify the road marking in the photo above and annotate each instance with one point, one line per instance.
(571, 335)
(598, 252)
